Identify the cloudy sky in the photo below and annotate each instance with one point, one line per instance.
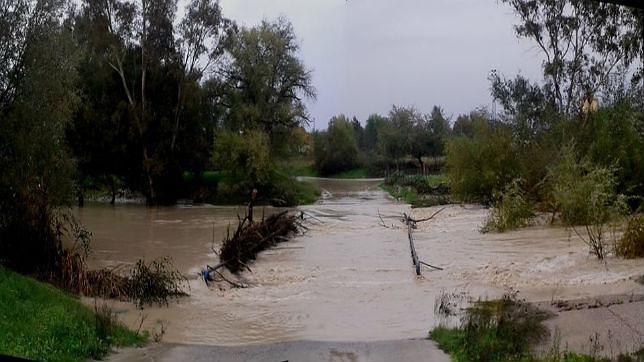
(367, 55)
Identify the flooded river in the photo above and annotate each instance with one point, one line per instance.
(349, 278)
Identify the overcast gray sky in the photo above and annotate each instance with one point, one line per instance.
(367, 55)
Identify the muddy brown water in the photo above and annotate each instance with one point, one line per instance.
(348, 278)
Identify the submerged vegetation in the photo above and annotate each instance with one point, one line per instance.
(507, 329)
(631, 244)
(510, 211)
(500, 330)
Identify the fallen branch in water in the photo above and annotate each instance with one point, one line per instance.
(251, 238)
(382, 222)
(431, 266)
(425, 219)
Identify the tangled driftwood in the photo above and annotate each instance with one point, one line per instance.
(250, 238)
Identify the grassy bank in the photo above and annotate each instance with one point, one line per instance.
(38, 321)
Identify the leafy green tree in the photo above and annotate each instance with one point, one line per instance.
(395, 139)
(464, 124)
(244, 157)
(37, 100)
(439, 131)
(336, 149)
(358, 133)
(153, 95)
(526, 106)
(264, 84)
(374, 126)
(480, 166)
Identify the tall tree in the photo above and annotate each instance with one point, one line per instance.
(202, 35)
(160, 79)
(37, 78)
(336, 150)
(583, 42)
(265, 84)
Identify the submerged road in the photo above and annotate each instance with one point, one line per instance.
(384, 351)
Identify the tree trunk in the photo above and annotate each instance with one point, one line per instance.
(148, 172)
(177, 115)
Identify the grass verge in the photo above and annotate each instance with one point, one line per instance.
(40, 322)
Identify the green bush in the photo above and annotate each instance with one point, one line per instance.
(511, 210)
(418, 190)
(631, 245)
(614, 139)
(584, 194)
(478, 167)
(581, 192)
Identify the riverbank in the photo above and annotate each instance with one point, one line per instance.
(40, 322)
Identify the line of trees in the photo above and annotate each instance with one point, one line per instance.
(405, 136)
(573, 144)
(123, 94)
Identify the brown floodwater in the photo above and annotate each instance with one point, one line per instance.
(349, 278)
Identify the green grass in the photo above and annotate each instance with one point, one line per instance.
(38, 321)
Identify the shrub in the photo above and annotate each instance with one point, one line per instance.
(631, 245)
(510, 211)
(479, 166)
(584, 194)
(154, 283)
